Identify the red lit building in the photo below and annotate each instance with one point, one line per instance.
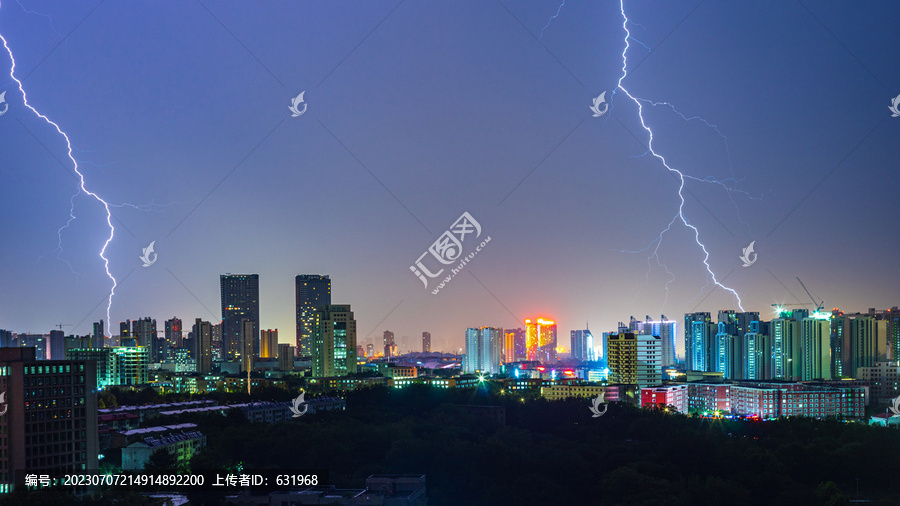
(661, 397)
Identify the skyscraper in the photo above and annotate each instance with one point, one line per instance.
(815, 334)
(268, 343)
(426, 342)
(312, 292)
(483, 348)
(285, 357)
(174, 334)
(540, 340)
(203, 352)
(98, 331)
(582, 344)
(786, 349)
(144, 332)
(699, 334)
(240, 300)
(57, 345)
(334, 351)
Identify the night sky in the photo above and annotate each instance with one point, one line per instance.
(420, 111)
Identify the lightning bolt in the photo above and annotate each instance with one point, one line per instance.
(681, 177)
(82, 187)
(551, 20)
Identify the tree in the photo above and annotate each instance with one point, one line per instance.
(160, 460)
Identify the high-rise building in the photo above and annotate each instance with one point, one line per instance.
(514, 345)
(247, 355)
(815, 358)
(240, 300)
(202, 350)
(390, 346)
(98, 331)
(50, 421)
(124, 330)
(786, 348)
(757, 354)
(217, 353)
(426, 342)
(312, 292)
(483, 348)
(334, 353)
(285, 357)
(634, 359)
(857, 340)
(143, 330)
(268, 343)
(540, 340)
(370, 350)
(5, 338)
(174, 334)
(664, 329)
(582, 344)
(57, 345)
(699, 335)
(116, 366)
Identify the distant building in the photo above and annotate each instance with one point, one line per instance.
(57, 345)
(174, 334)
(312, 292)
(582, 345)
(699, 334)
(540, 340)
(370, 350)
(203, 352)
(37, 341)
(426, 342)
(815, 349)
(247, 355)
(664, 329)
(334, 353)
(240, 300)
(51, 417)
(483, 350)
(883, 380)
(285, 357)
(390, 346)
(268, 343)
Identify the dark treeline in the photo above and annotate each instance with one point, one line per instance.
(557, 453)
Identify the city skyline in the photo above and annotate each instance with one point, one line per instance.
(397, 141)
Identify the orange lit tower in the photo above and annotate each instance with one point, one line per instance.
(540, 340)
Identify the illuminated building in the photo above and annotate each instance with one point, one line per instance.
(181, 445)
(174, 334)
(513, 345)
(560, 392)
(143, 330)
(312, 292)
(815, 337)
(786, 348)
(699, 334)
(709, 397)
(664, 329)
(116, 366)
(38, 341)
(50, 423)
(370, 350)
(757, 354)
(634, 359)
(240, 300)
(334, 353)
(664, 396)
(483, 348)
(268, 343)
(582, 345)
(540, 340)
(426, 342)
(202, 346)
(858, 340)
(216, 335)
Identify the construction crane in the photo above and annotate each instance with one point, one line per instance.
(61, 325)
(819, 305)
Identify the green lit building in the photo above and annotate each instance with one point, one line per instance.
(334, 335)
(116, 366)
